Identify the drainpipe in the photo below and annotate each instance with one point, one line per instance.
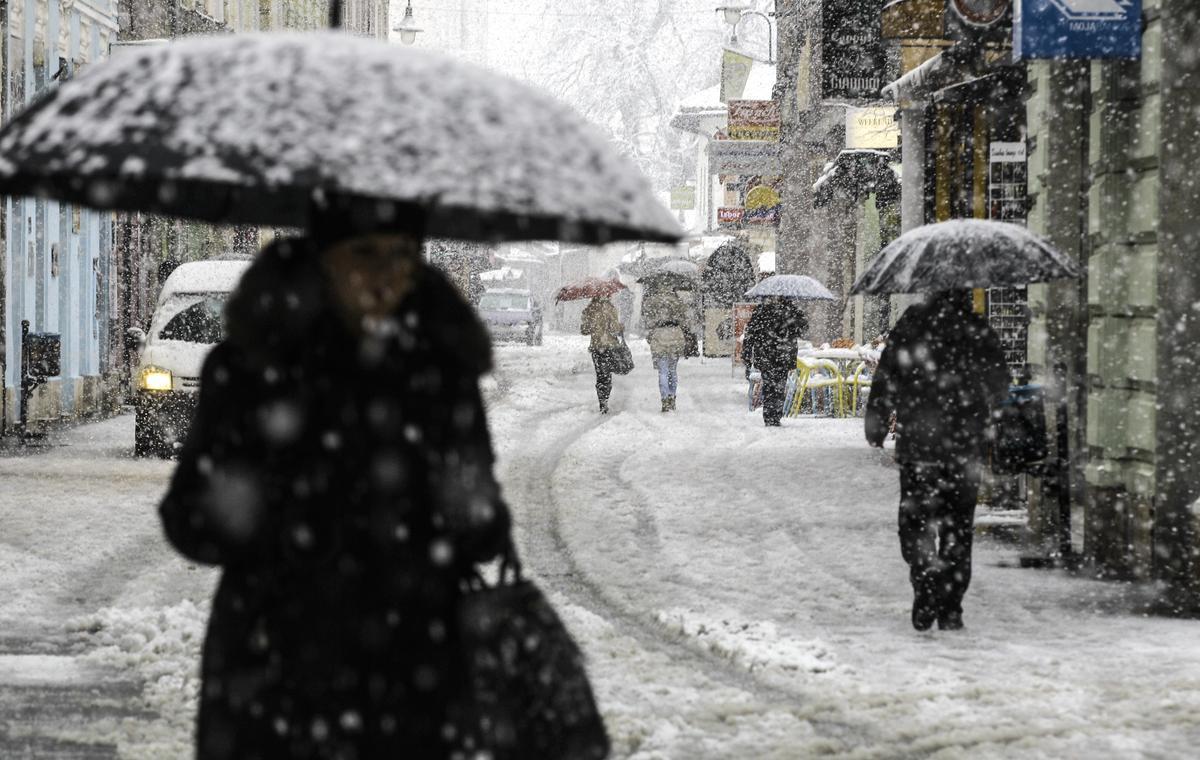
(4, 53)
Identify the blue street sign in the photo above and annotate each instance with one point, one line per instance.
(1058, 29)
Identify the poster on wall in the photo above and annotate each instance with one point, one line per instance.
(1077, 29)
(741, 317)
(853, 57)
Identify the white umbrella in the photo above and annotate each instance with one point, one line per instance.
(798, 286)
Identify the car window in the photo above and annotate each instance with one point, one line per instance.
(198, 323)
(504, 302)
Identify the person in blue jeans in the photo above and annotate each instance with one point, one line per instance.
(664, 315)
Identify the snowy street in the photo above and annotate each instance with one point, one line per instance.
(738, 590)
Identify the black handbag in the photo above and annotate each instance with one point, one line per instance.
(620, 358)
(1020, 430)
(691, 344)
(528, 692)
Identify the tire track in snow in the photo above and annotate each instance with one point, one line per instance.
(547, 552)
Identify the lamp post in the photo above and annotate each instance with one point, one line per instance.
(408, 28)
(734, 14)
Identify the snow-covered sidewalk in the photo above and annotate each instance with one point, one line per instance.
(775, 552)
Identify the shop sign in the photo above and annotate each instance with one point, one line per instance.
(1006, 152)
(754, 120)
(853, 58)
(873, 128)
(683, 198)
(730, 216)
(735, 73)
(744, 157)
(1077, 29)
(762, 205)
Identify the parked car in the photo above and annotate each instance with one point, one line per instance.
(185, 326)
(511, 315)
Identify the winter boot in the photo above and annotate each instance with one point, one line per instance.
(924, 613)
(666, 404)
(604, 406)
(950, 620)
(670, 403)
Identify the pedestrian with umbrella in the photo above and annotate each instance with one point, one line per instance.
(603, 328)
(339, 468)
(941, 374)
(769, 343)
(666, 320)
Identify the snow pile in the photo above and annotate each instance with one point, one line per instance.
(160, 645)
(755, 646)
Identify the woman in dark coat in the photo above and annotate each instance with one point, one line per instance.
(770, 346)
(339, 470)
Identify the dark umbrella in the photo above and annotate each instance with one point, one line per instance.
(667, 281)
(727, 275)
(798, 287)
(269, 129)
(963, 253)
(589, 287)
(670, 274)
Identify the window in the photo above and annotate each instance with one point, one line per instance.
(198, 323)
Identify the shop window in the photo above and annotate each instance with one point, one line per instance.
(1008, 308)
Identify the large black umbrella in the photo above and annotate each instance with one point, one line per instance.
(671, 274)
(728, 274)
(270, 129)
(963, 253)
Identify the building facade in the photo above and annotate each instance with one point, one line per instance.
(58, 257)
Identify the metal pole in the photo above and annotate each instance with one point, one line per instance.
(24, 386)
(1063, 474)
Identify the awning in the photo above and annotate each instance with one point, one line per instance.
(744, 157)
(950, 67)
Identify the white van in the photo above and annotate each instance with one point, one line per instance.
(185, 326)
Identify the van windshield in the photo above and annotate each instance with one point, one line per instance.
(197, 319)
(504, 302)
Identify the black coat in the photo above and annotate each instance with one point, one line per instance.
(770, 339)
(345, 486)
(942, 372)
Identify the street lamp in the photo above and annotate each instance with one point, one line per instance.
(735, 13)
(408, 28)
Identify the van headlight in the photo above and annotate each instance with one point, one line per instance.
(156, 379)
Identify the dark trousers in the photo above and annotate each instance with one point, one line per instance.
(603, 375)
(937, 523)
(774, 386)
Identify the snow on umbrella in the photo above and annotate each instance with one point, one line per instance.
(963, 253)
(672, 274)
(679, 267)
(589, 287)
(265, 129)
(798, 286)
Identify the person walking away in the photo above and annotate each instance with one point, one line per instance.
(601, 323)
(941, 373)
(665, 316)
(769, 345)
(339, 470)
